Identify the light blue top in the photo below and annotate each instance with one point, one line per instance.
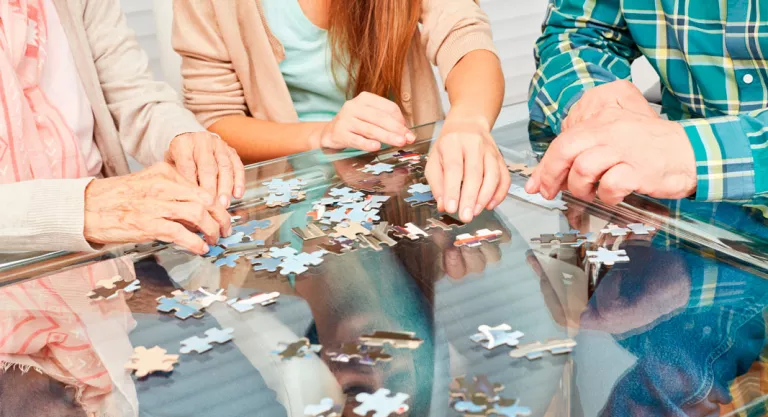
(307, 66)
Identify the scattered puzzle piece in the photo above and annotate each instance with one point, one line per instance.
(536, 350)
(420, 199)
(312, 231)
(346, 193)
(572, 239)
(266, 264)
(398, 340)
(214, 252)
(199, 345)
(381, 403)
(537, 199)
(232, 240)
(479, 388)
(640, 229)
(201, 297)
(146, 361)
(410, 231)
(444, 222)
(251, 227)
(378, 169)
(607, 257)
(298, 349)
(229, 260)
(365, 355)
(480, 236)
(109, 288)
(182, 311)
(419, 189)
(326, 408)
(350, 230)
(511, 408)
(336, 248)
(522, 169)
(493, 337)
(615, 230)
(246, 304)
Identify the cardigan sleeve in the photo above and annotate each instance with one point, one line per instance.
(451, 29)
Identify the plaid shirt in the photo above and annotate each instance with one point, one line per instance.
(711, 59)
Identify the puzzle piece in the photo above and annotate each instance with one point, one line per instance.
(182, 311)
(251, 227)
(478, 391)
(146, 361)
(212, 335)
(234, 219)
(350, 230)
(232, 240)
(410, 231)
(536, 350)
(471, 408)
(230, 260)
(572, 239)
(537, 199)
(615, 230)
(109, 288)
(444, 222)
(419, 188)
(376, 201)
(365, 355)
(607, 257)
(326, 408)
(278, 184)
(510, 408)
(336, 248)
(522, 169)
(483, 235)
(378, 169)
(200, 297)
(420, 199)
(266, 264)
(312, 231)
(246, 304)
(214, 252)
(398, 340)
(381, 233)
(298, 349)
(298, 264)
(346, 193)
(493, 337)
(286, 252)
(640, 229)
(382, 403)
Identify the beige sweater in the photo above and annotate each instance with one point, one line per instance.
(132, 113)
(230, 58)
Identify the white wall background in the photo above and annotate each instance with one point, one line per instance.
(516, 25)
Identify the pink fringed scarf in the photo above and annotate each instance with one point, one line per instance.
(35, 141)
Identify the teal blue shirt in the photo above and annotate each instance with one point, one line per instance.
(306, 68)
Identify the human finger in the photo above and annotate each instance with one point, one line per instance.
(474, 259)
(434, 174)
(453, 173)
(375, 132)
(194, 215)
(588, 168)
(207, 169)
(399, 132)
(173, 232)
(182, 157)
(222, 217)
(383, 104)
(553, 168)
(453, 263)
(617, 184)
(474, 169)
(170, 190)
(347, 139)
(503, 188)
(239, 170)
(490, 183)
(226, 173)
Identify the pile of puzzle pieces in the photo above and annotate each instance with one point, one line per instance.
(480, 397)
(229, 250)
(283, 193)
(185, 304)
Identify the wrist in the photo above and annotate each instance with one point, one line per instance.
(462, 118)
(317, 132)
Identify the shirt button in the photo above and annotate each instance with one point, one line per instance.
(406, 97)
(748, 79)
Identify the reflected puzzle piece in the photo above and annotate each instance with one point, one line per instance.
(146, 361)
(298, 349)
(200, 297)
(483, 235)
(326, 408)
(410, 231)
(640, 229)
(381, 403)
(364, 355)
(511, 408)
(537, 199)
(536, 350)
(522, 169)
(477, 392)
(109, 288)
(444, 222)
(378, 169)
(615, 230)
(493, 337)
(247, 304)
(398, 340)
(607, 257)
(200, 345)
(182, 311)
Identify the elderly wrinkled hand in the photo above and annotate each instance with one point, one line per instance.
(154, 204)
(615, 153)
(206, 160)
(620, 94)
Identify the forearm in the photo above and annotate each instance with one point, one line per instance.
(476, 88)
(43, 215)
(260, 140)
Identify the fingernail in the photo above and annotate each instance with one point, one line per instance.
(478, 209)
(452, 206)
(467, 214)
(239, 192)
(206, 248)
(410, 136)
(224, 200)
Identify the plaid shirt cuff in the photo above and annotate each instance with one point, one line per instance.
(724, 165)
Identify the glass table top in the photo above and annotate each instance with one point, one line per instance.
(679, 329)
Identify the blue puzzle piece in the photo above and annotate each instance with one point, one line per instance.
(214, 252)
(419, 189)
(287, 252)
(183, 311)
(511, 408)
(232, 240)
(250, 227)
(419, 199)
(230, 260)
(378, 169)
(469, 407)
(266, 264)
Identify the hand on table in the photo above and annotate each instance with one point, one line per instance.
(154, 204)
(366, 122)
(205, 159)
(615, 153)
(466, 171)
(620, 94)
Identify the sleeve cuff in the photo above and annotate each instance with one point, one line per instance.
(725, 169)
